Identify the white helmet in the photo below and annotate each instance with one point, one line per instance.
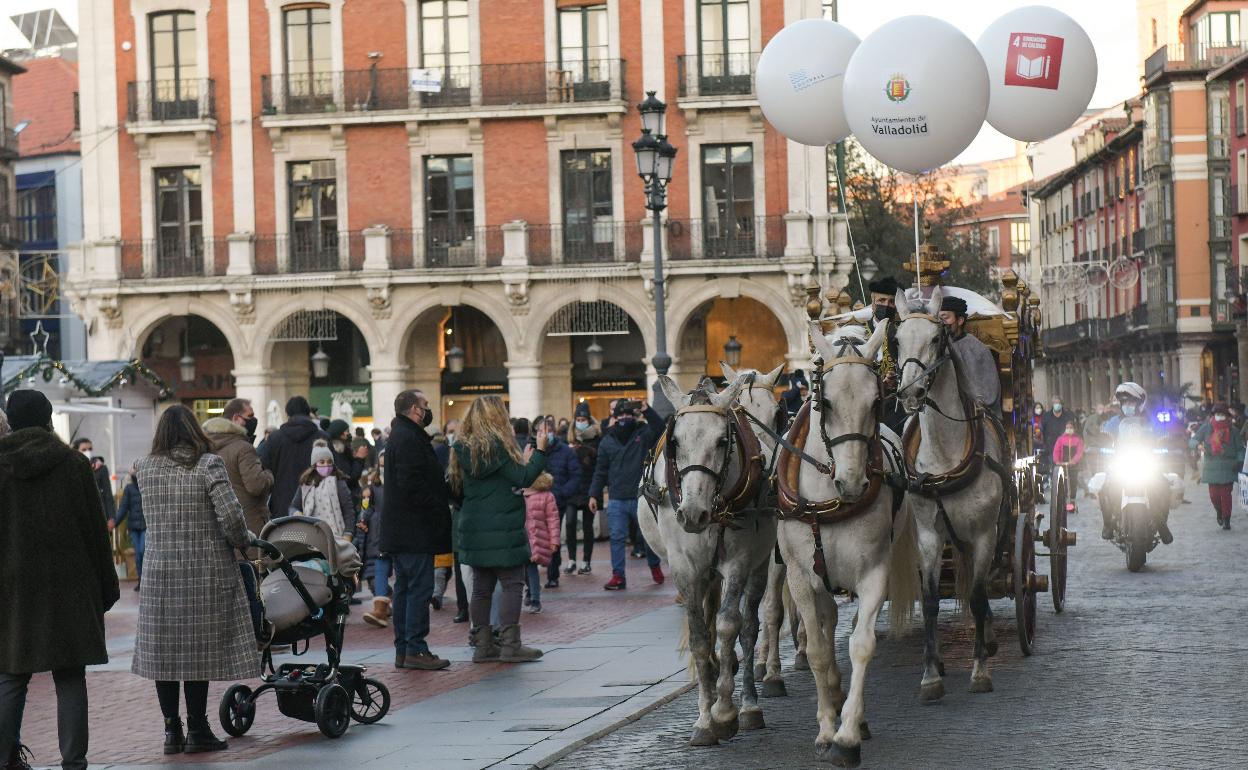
(1131, 390)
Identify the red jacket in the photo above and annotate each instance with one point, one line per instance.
(542, 523)
(1060, 448)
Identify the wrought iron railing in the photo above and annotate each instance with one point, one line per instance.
(1178, 57)
(156, 101)
(187, 257)
(726, 238)
(446, 247)
(302, 252)
(477, 85)
(722, 74)
(587, 243)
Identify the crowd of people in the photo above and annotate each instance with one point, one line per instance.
(492, 498)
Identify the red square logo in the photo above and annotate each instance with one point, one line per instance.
(1033, 60)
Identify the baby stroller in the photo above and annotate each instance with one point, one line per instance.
(306, 591)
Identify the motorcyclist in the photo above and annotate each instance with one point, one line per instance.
(1133, 427)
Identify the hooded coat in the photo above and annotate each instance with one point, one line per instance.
(541, 521)
(563, 465)
(250, 480)
(287, 454)
(490, 527)
(56, 568)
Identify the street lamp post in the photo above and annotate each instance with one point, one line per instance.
(655, 157)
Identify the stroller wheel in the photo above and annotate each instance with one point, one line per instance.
(370, 701)
(237, 710)
(333, 710)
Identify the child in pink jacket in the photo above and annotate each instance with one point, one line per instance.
(542, 523)
(1068, 451)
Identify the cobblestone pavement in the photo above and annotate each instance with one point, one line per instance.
(1141, 671)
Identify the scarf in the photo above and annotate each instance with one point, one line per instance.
(1220, 437)
(320, 501)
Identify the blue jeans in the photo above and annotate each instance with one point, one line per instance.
(533, 576)
(413, 586)
(620, 513)
(139, 539)
(382, 570)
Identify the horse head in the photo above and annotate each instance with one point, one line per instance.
(847, 413)
(920, 343)
(758, 398)
(701, 443)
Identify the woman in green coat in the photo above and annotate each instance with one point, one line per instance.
(488, 471)
(1223, 450)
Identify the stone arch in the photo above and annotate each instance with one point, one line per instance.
(794, 322)
(363, 320)
(147, 322)
(636, 307)
(405, 323)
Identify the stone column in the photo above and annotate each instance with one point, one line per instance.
(515, 244)
(256, 385)
(524, 387)
(1189, 368)
(387, 381)
(242, 254)
(1241, 337)
(377, 248)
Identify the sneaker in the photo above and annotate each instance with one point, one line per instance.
(638, 553)
(425, 661)
(616, 583)
(568, 570)
(535, 608)
(657, 574)
(1163, 529)
(552, 583)
(19, 759)
(585, 569)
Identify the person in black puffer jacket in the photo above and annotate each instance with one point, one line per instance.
(562, 464)
(131, 509)
(288, 453)
(584, 435)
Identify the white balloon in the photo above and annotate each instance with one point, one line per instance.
(1041, 72)
(799, 79)
(916, 92)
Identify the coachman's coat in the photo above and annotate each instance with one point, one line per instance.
(56, 566)
(194, 621)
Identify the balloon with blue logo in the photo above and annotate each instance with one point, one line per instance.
(799, 79)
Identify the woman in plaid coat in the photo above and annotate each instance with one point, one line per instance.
(194, 622)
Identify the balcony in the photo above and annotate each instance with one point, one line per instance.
(8, 142)
(741, 238)
(483, 87)
(1137, 242)
(598, 242)
(174, 257)
(1137, 318)
(446, 247)
(715, 76)
(171, 103)
(1160, 234)
(9, 237)
(1186, 58)
(325, 252)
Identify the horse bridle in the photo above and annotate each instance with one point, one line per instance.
(820, 402)
(730, 442)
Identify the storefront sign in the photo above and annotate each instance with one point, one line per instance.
(360, 397)
(609, 384)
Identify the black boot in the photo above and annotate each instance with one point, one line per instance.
(174, 737)
(199, 737)
(1163, 529)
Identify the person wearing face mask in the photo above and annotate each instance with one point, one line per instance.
(583, 438)
(103, 479)
(1133, 427)
(323, 494)
(287, 452)
(1068, 451)
(232, 436)
(884, 311)
(1053, 425)
(1223, 449)
(345, 461)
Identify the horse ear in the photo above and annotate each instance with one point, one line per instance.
(903, 304)
(771, 377)
(822, 346)
(876, 341)
(672, 391)
(728, 396)
(708, 385)
(730, 374)
(933, 304)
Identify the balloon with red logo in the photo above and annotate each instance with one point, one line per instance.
(1041, 70)
(799, 79)
(916, 92)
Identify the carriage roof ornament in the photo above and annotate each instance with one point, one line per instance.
(928, 264)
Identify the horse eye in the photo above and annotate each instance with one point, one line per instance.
(722, 441)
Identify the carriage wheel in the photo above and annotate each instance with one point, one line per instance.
(1057, 540)
(1025, 580)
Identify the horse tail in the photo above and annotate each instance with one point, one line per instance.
(904, 586)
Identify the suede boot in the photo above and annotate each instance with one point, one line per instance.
(484, 650)
(380, 616)
(512, 650)
(199, 737)
(174, 737)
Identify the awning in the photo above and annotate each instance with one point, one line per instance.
(88, 409)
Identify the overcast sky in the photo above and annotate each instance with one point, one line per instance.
(1110, 24)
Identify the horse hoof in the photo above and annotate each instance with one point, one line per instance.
(726, 731)
(864, 731)
(991, 647)
(983, 684)
(774, 688)
(800, 662)
(932, 691)
(837, 755)
(760, 671)
(752, 720)
(703, 737)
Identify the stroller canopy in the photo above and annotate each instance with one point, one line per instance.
(304, 537)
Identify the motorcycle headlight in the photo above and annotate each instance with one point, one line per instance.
(1135, 466)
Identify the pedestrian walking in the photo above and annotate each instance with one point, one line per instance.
(541, 522)
(57, 578)
(194, 622)
(1068, 452)
(416, 525)
(323, 493)
(489, 471)
(99, 471)
(621, 455)
(232, 436)
(130, 510)
(288, 452)
(1222, 448)
(565, 471)
(584, 436)
(377, 567)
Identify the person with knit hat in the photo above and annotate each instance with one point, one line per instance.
(350, 466)
(323, 493)
(287, 452)
(977, 364)
(1223, 449)
(58, 579)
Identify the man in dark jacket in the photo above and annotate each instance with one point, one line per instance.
(620, 458)
(416, 526)
(131, 509)
(288, 453)
(99, 471)
(58, 578)
(563, 465)
(1052, 426)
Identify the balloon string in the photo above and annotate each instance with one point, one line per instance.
(918, 268)
(840, 189)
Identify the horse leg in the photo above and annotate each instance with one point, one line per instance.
(702, 648)
(826, 630)
(724, 715)
(804, 597)
(773, 609)
(985, 638)
(931, 544)
(797, 628)
(846, 749)
(755, 587)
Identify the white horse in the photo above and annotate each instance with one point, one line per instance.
(841, 520)
(965, 508)
(718, 559)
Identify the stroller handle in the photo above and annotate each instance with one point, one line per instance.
(268, 549)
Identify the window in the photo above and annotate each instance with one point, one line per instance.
(828, 10)
(306, 42)
(1215, 30)
(728, 199)
(1241, 182)
(588, 234)
(179, 221)
(1020, 237)
(723, 47)
(449, 225)
(313, 195)
(1153, 25)
(36, 213)
(1239, 108)
(174, 88)
(583, 61)
(994, 242)
(444, 47)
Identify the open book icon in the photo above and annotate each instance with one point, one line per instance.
(1032, 69)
